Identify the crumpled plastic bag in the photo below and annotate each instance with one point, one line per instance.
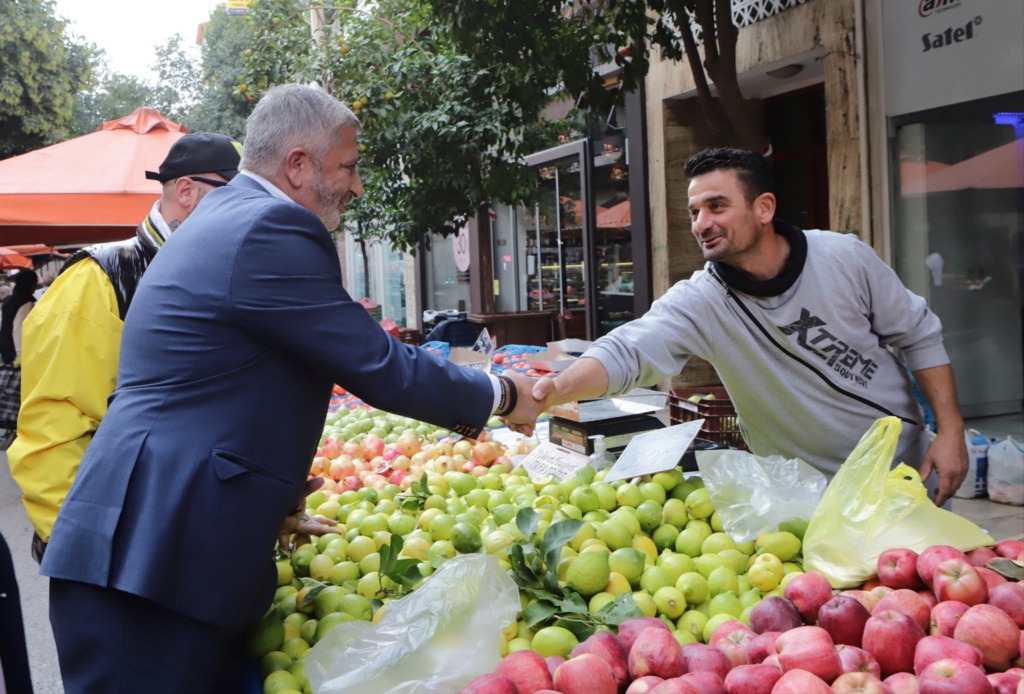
(433, 641)
(753, 494)
(870, 507)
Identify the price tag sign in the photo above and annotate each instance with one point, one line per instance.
(654, 451)
(547, 459)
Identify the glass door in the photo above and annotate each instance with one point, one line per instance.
(557, 238)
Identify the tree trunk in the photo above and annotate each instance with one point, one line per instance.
(366, 268)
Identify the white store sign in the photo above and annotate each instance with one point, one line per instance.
(940, 52)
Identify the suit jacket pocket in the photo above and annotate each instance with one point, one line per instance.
(228, 465)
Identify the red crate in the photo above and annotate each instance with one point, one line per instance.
(721, 424)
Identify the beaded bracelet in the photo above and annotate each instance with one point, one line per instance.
(509, 389)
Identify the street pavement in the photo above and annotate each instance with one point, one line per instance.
(35, 602)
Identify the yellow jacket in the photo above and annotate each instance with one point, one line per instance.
(71, 346)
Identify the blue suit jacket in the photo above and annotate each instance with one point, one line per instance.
(234, 339)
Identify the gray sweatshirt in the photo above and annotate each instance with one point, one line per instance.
(808, 369)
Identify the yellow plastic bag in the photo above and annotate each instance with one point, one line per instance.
(869, 508)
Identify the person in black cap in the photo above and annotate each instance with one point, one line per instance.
(72, 337)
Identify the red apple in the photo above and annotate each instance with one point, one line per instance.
(606, 646)
(736, 645)
(762, 646)
(644, 685)
(484, 453)
(585, 674)
(952, 676)
(655, 652)
(909, 603)
(331, 447)
(1009, 597)
(490, 684)
(929, 597)
(703, 682)
(858, 660)
(1006, 682)
(527, 670)
(891, 637)
(676, 685)
(801, 682)
(808, 591)
(871, 584)
(726, 628)
(752, 679)
(865, 598)
(957, 579)
(897, 568)
(945, 617)
(553, 661)
(991, 578)
(811, 649)
(1011, 549)
(774, 614)
(981, 556)
(373, 446)
(901, 683)
(859, 683)
(879, 592)
(991, 631)
(843, 618)
(698, 657)
(931, 649)
(931, 557)
(631, 628)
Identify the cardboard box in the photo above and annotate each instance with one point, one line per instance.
(571, 346)
(551, 360)
(463, 356)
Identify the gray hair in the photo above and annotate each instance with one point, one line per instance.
(290, 116)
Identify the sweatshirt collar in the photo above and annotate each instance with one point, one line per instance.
(779, 284)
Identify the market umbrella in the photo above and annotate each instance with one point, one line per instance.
(89, 189)
(10, 259)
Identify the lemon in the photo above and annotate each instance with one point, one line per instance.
(655, 577)
(674, 513)
(648, 513)
(588, 574)
(689, 541)
(599, 601)
(360, 547)
(665, 537)
(714, 622)
(279, 682)
(265, 636)
(285, 573)
(606, 495)
(356, 605)
(647, 546)
(337, 548)
(554, 641)
(784, 545)
(301, 558)
(670, 602)
(628, 562)
(414, 548)
(465, 538)
(519, 644)
(614, 534)
(694, 587)
(684, 488)
(627, 516)
(498, 542)
(725, 603)
(693, 623)
(765, 573)
(698, 504)
(796, 526)
(716, 542)
(645, 602)
(668, 479)
(441, 526)
(274, 661)
(293, 648)
(628, 494)
(329, 622)
(684, 637)
(617, 585)
(328, 600)
(735, 560)
(723, 580)
(320, 567)
(585, 499)
(401, 523)
(652, 491)
(716, 522)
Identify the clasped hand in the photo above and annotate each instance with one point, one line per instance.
(532, 399)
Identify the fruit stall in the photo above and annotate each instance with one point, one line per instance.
(626, 587)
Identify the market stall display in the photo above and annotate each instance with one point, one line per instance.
(630, 586)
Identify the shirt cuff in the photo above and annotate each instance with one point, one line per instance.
(496, 384)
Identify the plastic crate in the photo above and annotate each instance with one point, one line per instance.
(721, 424)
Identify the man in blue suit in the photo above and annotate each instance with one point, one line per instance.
(162, 553)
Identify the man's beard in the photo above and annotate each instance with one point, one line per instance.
(328, 202)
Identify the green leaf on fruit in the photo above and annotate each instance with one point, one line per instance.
(1007, 568)
(436, 560)
(527, 520)
(582, 630)
(315, 587)
(619, 610)
(573, 603)
(537, 612)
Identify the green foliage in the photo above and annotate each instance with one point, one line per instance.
(41, 70)
(444, 133)
(534, 563)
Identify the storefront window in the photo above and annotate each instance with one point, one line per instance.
(959, 211)
(386, 285)
(447, 286)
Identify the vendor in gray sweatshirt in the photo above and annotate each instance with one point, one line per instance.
(808, 330)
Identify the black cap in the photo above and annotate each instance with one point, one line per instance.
(198, 153)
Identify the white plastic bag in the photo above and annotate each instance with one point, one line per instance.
(433, 641)
(976, 483)
(1006, 472)
(753, 494)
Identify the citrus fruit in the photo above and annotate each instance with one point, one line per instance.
(265, 636)
(694, 587)
(670, 602)
(589, 572)
(274, 661)
(765, 573)
(628, 562)
(285, 572)
(280, 681)
(784, 545)
(553, 641)
(465, 538)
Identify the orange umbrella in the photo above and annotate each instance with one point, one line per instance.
(10, 259)
(92, 188)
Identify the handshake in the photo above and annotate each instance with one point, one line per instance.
(523, 399)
